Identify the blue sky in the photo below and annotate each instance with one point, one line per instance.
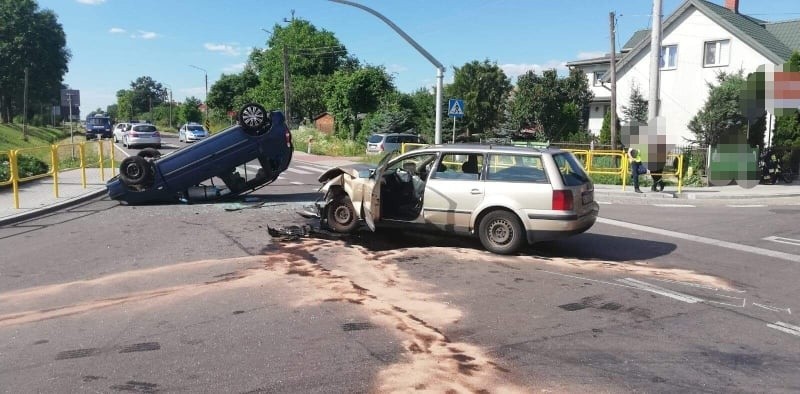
(115, 41)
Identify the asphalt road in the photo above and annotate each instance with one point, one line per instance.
(200, 298)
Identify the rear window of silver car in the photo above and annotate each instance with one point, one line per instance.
(375, 138)
(145, 129)
(571, 171)
(515, 168)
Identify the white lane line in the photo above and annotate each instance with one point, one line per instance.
(122, 150)
(603, 202)
(309, 168)
(704, 240)
(782, 240)
(737, 305)
(297, 183)
(787, 328)
(772, 308)
(296, 171)
(674, 205)
(660, 290)
(746, 206)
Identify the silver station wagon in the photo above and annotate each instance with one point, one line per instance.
(505, 195)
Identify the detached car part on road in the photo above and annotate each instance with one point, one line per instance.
(505, 195)
(188, 174)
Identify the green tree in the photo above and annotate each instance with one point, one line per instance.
(721, 113)
(125, 105)
(223, 93)
(605, 130)
(484, 87)
(351, 93)
(422, 104)
(189, 111)
(313, 56)
(551, 104)
(637, 111)
(31, 39)
(146, 94)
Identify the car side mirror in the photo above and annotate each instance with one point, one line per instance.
(372, 172)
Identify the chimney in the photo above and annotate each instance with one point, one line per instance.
(732, 5)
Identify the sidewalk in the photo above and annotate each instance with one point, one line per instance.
(37, 197)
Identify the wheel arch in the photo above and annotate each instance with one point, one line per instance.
(487, 209)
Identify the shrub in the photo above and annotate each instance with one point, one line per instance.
(31, 166)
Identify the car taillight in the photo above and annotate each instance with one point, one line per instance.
(133, 134)
(155, 134)
(562, 200)
(288, 138)
(381, 146)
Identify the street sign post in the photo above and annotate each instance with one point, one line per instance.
(455, 110)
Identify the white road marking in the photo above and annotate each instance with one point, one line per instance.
(122, 150)
(787, 328)
(737, 305)
(704, 240)
(603, 202)
(697, 285)
(296, 183)
(782, 240)
(674, 205)
(772, 308)
(309, 168)
(296, 171)
(746, 206)
(660, 290)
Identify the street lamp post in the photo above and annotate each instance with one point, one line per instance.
(205, 100)
(169, 97)
(421, 50)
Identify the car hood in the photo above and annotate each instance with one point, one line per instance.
(354, 171)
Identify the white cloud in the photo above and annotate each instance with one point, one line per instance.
(91, 2)
(234, 68)
(590, 55)
(515, 70)
(147, 35)
(228, 49)
(116, 30)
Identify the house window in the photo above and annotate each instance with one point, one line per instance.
(716, 53)
(669, 57)
(598, 78)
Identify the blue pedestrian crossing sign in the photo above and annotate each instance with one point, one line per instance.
(456, 108)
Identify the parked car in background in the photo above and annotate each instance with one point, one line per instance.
(191, 132)
(389, 142)
(98, 126)
(506, 196)
(141, 134)
(188, 174)
(120, 129)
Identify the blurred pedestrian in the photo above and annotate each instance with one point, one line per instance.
(636, 168)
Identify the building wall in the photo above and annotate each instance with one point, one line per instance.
(597, 111)
(684, 90)
(324, 124)
(602, 97)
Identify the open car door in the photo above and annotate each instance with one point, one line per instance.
(372, 198)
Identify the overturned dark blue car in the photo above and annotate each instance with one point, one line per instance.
(237, 160)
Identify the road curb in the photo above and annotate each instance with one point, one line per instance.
(35, 213)
(714, 196)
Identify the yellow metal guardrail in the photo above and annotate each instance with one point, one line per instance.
(57, 155)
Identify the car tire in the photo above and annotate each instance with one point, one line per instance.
(254, 119)
(341, 215)
(501, 232)
(158, 146)
(135, 171)
(149, 153)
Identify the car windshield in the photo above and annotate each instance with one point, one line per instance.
(98, 122)
(375, 138)
(195, 128)
(145, 129)
(571, 171)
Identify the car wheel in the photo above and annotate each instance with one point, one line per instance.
(501, 232)
(254, 119)
(158, 146)
(341, 215)
(149, 153)
(115, 139)
(134, 171)
(124, 142)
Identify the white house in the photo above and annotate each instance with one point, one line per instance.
(699, 40)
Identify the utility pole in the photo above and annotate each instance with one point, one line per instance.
(286, 85)
(613, 125)
(170, 108)
(25, 108)
(655, 61)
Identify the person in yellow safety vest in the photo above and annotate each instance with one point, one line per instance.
(636, 168)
